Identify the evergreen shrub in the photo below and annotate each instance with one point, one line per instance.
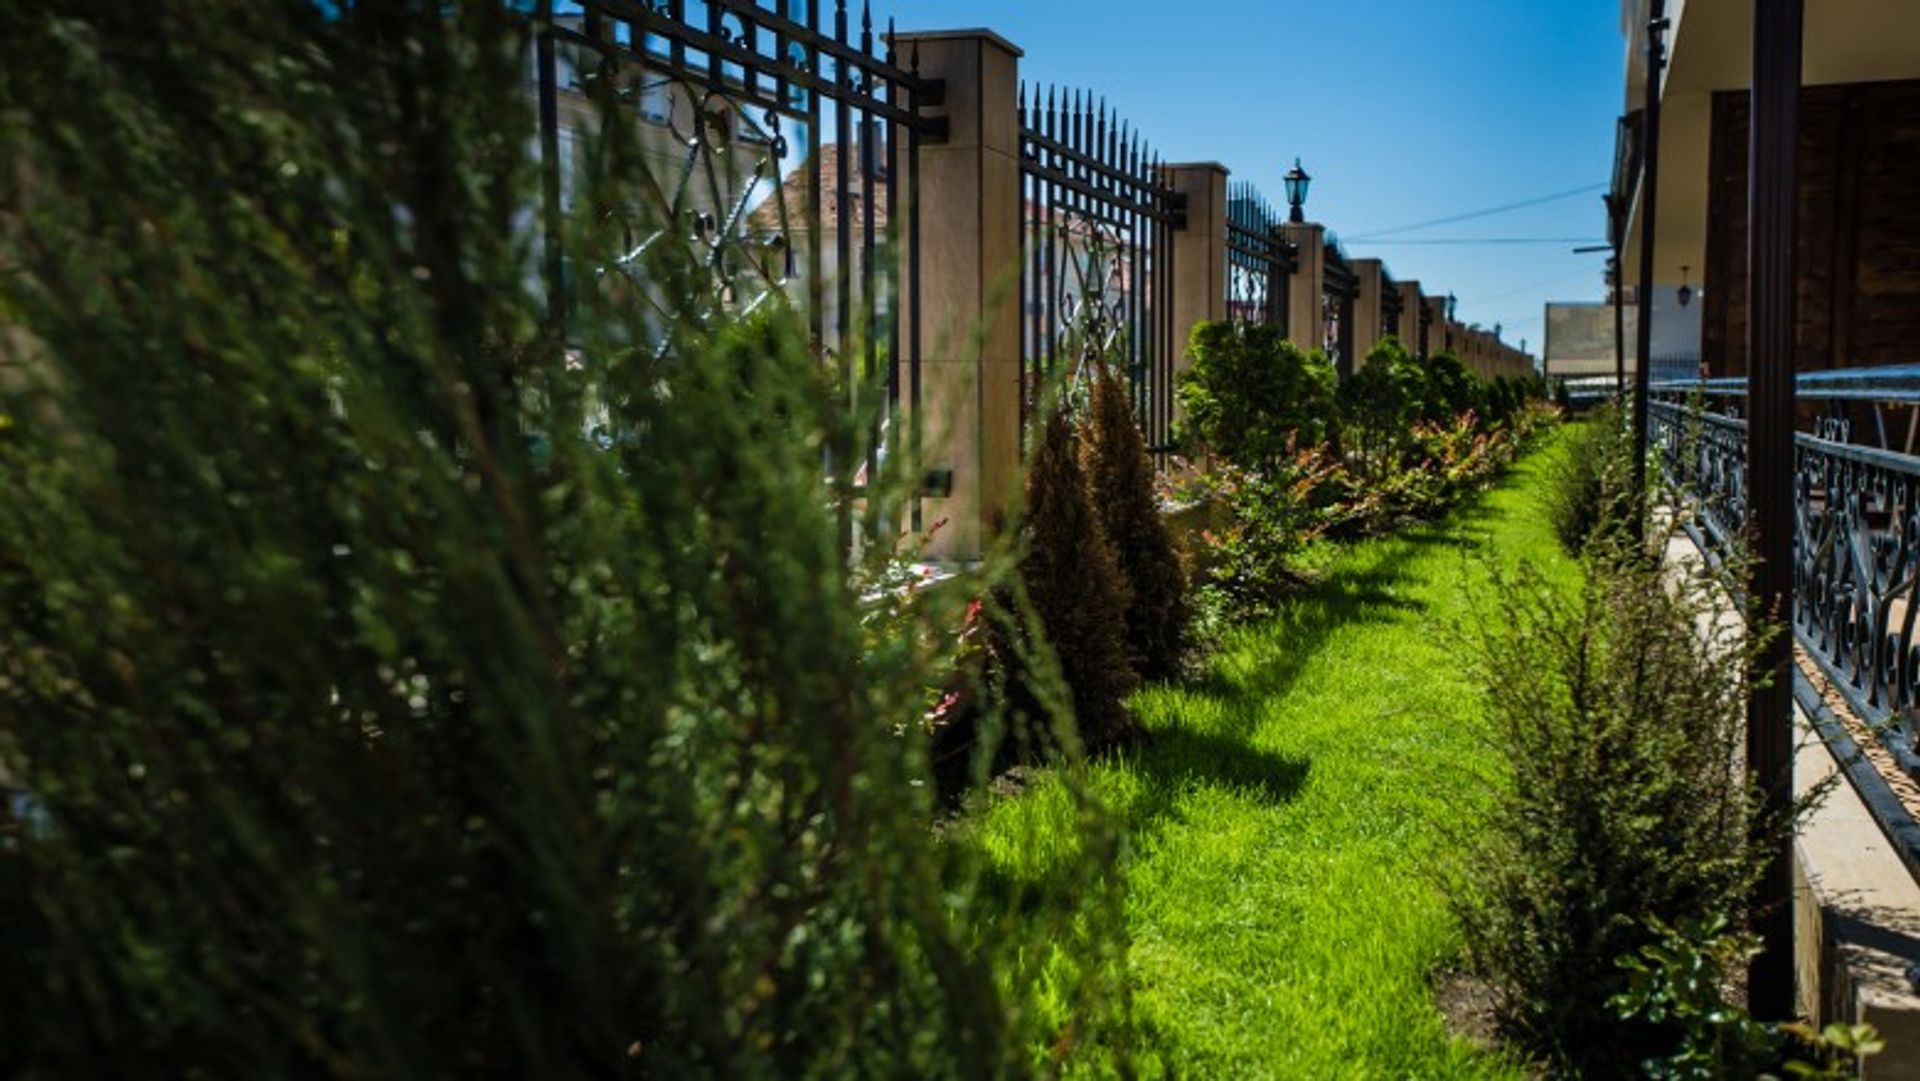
(365, 717)
(1619, 717)
(1120, 479)
(1252, 397)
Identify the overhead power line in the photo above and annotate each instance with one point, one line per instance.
(1542, 283)
(1476, 240)
(1489, 212)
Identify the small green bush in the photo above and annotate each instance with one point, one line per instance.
(1265, 519)
(1252, 397)
(1120, 479)
(1379, 405)
(1622, 810)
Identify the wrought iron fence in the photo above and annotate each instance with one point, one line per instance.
(1856, 551)
(783, 145)
(1260, 260)
(1096, 267)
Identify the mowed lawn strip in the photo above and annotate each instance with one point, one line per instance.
(1285, 817)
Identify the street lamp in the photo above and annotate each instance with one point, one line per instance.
(1686, 291)
(1296, 181)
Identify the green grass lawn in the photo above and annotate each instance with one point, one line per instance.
(1285, 818)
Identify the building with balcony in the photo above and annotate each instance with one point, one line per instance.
(1858, 242)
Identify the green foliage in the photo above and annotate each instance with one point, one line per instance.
(1449, 390)
(377, 722)
(1391, 394)
(1592, 480)
(1621, 811)
(1833, 1053)
(1263, 520)
(1679, 981)
(1120, 480)
(1076, 587)
(1252, 397)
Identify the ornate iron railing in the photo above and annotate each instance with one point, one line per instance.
(1856, 552)
(1096, 268)
(1260, 260)
(782, 143)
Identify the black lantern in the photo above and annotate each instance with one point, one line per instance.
(1451, 304)
(1686, 291)
(1296, 181)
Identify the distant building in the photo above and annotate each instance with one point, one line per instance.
(1858, 222)
(1580, 343)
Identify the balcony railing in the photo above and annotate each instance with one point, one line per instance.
(1856, 574)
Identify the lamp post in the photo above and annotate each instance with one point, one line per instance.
(1296, 182)
(1452, 303)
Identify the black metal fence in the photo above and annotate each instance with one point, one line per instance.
(1856, 564)
(782, 142)
(1260, 261)
(1096, 268)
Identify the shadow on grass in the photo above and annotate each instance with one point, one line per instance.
(1205, 733)
(1262, 660)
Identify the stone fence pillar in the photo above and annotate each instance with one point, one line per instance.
(968, 262)
(1306, 289)
(1199, 254)
(1367, 312)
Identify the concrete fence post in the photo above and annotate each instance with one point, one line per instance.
(1306, 291)
(1199, 254)
(969, 256)
(1367, 311)
(1408, 330)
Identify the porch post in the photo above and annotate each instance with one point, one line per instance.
(1772, 163)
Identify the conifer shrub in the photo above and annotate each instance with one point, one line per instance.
(1379, 405)
(1446, 388)
(1074, 583)
(361, 715)
(1120, 481)
(1252, 397)
(1619, 715)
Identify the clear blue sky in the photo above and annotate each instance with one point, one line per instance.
(1403, 111)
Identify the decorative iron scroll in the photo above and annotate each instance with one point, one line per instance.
(1856, 549)
(1260, 261)
(1096, 267)
(781, 150)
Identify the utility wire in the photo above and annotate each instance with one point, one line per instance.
(1490, 211)
(1557, 278)
(1476, 240)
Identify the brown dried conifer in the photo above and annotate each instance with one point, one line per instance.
(1075, 586)
(1120, 481)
